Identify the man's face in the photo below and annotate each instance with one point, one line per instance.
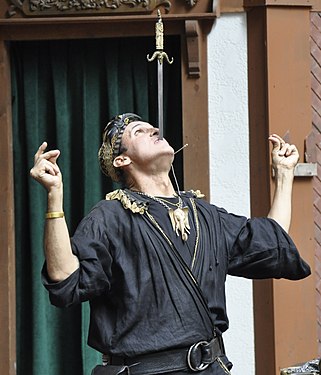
(143, 144)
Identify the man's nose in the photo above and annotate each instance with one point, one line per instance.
(154, 131)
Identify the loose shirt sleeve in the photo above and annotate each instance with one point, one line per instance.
(259, 248)
(92, 278)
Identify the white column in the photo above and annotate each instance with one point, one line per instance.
(229, 166)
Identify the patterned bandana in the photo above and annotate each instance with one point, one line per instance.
(110, 147)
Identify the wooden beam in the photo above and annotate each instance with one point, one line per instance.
(15, 9)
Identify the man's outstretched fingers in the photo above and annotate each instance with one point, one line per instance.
(41, 150)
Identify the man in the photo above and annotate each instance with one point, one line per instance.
(153, 261)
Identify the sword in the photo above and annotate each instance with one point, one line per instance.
(160, 55)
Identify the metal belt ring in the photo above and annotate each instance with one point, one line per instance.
(201, 366)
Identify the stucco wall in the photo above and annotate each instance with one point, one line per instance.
(229, 166)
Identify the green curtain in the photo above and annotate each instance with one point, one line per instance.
(64, 92)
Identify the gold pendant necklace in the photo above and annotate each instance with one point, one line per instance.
(178, 216)
(179, 220)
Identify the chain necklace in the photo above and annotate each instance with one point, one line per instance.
(178, 216)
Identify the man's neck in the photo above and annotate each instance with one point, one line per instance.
(154, 185)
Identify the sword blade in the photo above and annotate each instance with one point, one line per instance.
(160, 99)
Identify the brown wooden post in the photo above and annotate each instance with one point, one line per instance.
(280, 100)
(7, 248)
(195, 110)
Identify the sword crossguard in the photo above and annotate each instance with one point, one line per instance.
(160, 55)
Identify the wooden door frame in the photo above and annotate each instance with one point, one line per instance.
(192, 27)
(7, 238)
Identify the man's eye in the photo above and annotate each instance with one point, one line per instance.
(138, 131)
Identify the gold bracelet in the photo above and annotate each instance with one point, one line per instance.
(54, 215)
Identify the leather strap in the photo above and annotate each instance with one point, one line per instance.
(196, 358)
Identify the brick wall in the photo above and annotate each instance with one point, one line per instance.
(316, 125)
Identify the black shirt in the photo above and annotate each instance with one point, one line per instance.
(141, 300)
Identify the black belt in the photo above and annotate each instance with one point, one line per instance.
(196, 358)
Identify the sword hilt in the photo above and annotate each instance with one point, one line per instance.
(159, 36)
(159, 32)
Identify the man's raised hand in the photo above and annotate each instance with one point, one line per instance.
(45, 169)
(284, 155)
